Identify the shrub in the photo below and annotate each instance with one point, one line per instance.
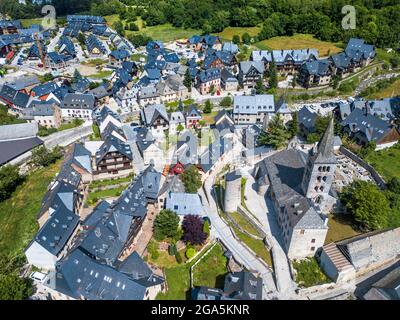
(178, 257)
(190, 253)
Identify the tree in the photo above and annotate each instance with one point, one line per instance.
(42, 157)
(13, 287)
(208, 107)
(368, 205)
(193, 230)
(246, 39)
(273, 75)
(166, 225)
(206, 228)
(187, 81)
(119, 27)
(81, 39)
(191, 179)
(236, 39)
(180, 128)
(132, 26)
(294, 125)
(260, 86)
(190, 253)
(226, 102)
(9, 180)
(277, 135)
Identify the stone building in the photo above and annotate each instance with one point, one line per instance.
(298, 185)
(232, 191)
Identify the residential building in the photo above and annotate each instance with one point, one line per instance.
(184, 204)
(77, 106)
(209, 81)
(45, 113)
(149, 95)
(306, 119)
(250, 73)
(114, 158)
(287, 62)
(176, 118)
(95, 46)
(248, 110)
(117, 57)
(16, 100)
(366, 128)
(155, 118)
(193, 117)
(315, 73)
(148, 147)
(53, 240)
(228, 81)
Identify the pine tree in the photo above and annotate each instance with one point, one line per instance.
(277, 135)
(187, 81)
(273, 76)
(294, 125)
(208, 107)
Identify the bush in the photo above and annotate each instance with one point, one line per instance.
(43, 157)
(178, 257)
(226, 102)
(190, 253)
(9, 180)
(152, 249)
(172, 249)
(206, 228)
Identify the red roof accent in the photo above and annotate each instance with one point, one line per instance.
(10, 55)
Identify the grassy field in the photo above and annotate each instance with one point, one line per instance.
(340, 227)
(244, 224)
(207, 272)
(211, 270)
(229, 32)
(389, 92)
(299, 41)
(101, 74)
(103, 194)
(386, 162)
(209, 117)
(18, 214)
(166, 32)
(104, 183)
(309, 273)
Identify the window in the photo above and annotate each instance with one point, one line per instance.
(312, 248)
(175, 207)
(302, 231)
(313, 241)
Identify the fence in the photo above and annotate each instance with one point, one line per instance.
(375, 175)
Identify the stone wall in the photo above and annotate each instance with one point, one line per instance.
(64, 138)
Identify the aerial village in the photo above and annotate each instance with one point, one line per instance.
(167, 157)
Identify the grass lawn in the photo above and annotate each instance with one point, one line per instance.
(299, 41)
(99, 184)
(93, 197)
(18, 214)
(70, 125)
(309, 273)
(166, 32)
(386, 162)
(211, 270)
(340, 227)
(137, 56)
(101, 74)
(229, 32)
(389, 92)
(257, 246)
(94, 62)
(385, 56)
(111, 19)
(209, 117)
(244, 224)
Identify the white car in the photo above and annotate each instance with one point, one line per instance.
(38, 276)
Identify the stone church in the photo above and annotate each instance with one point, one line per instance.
(299, 186)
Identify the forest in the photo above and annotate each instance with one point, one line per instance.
(377, 21)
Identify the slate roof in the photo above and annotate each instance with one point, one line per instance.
(16, 98)
(185, 204)
(246, 66)
(93, 42)
(11, 149)
(113, 144)
(65, 45)
(209, 75)
(56, 57)
(40, 108)
(357, 49)
(24, 82)
(86, 18)
(78, 101)
(172, 184)
(285, 171)
(57, 230)
(299, 56)
(44, 89)
(227, 76)
(386, 288)
(79, 276)
(230, 47)
(243, 286)
(373, 128)
(316, 67)
(151, 112)
(253, 104)
(307, 118)
(215, 150)
(34, 50)
(120, 54)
